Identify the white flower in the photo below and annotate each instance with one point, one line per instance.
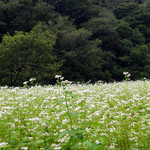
(3, 144)
(34, 119)
(30, 138)
(64, 139)
(32, 79)
(128, 75)
(24, 148)
(56, 148)
(64, 121)
(92, 105)
(87, 129)
(77, 108)
(96, 113)
(61, 78)
(111, 147)
(43, 124)
(25, 82)
(62, 130)
(66, 82)
(97, 142)
(57, 76)
(125, 73)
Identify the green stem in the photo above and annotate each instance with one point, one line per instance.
(68, 110)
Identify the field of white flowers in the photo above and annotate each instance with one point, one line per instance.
(78, 116)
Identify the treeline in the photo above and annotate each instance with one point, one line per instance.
(81, 39)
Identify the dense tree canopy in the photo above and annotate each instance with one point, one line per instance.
(82, 39)
(27, 55)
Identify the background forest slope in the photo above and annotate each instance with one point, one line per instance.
(81, 39)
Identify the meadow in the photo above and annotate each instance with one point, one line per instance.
(98, 116)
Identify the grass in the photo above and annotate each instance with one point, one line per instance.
(83, 116)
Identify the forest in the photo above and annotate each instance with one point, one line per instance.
(83, 40)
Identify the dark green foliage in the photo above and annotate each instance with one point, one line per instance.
(137, 37)
(19, 15)
(124, 30)
(125, 9)
(27, 55)
(44, 12)
(79, 10)
(80, 54)
(95, 39)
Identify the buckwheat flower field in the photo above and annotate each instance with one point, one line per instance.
(97, 116)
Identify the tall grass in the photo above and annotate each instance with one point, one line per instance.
(76, 116)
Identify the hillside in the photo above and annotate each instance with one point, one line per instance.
(81, 39)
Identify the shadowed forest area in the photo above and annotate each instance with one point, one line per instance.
(81, 39)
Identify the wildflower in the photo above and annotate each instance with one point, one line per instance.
(32, 79)
(66, 82)
(24, 148)
(148, 108)
(96, 113)
(64, 121)
(57, 76)
(64, 139)
(92, 106)
(56, 148)
(77, 108)
(62, 130)
(128, 75)
(30, 138)
(125, 73)
(34, 119)
(111, 147)
(61, 78)
(97, 142)
(25, 82)
(3, 144)
(43, 124)
(80, 143)
(87, 129)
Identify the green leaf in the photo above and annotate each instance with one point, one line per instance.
(73, 132)
(63, 134)
(73, 114)
(87, 143)
(93, 147)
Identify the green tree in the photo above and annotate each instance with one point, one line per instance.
(3, 25)
(19, 15)
(139, 58)
(146, 5)
(112, 4)
(138, 37)
(27, 55)
(81, 55)
(78, 10)
(124, 30)
(44, 12)
(125, 9)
